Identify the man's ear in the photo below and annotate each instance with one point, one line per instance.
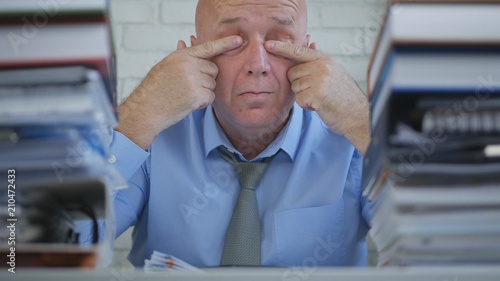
(194, 40)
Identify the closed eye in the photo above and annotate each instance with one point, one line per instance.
(236, 51)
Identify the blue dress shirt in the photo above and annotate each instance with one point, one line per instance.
(181, 194)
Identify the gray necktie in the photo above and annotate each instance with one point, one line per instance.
(242, 245)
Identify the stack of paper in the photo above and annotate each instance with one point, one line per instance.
(161, 262)
(432, 169)
(57, 112)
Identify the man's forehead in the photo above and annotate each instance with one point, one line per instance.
(215, 14)
(224, 6)
(295, 3)
(232, 2)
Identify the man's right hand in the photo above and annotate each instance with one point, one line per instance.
(179, 84)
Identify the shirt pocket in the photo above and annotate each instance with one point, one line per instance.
(311, 237)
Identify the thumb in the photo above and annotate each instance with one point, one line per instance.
(181, 45)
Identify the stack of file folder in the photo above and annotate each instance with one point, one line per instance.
(57, 112)
(432, 171)
(164, 263)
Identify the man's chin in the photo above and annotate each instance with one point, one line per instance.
(262, 118)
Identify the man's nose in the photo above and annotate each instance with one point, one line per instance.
(257, 60)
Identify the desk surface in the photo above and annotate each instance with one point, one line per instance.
(465, 273)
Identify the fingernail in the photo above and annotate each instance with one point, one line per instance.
(237, 40)
(270, 44)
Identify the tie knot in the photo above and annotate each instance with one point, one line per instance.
(249, 173)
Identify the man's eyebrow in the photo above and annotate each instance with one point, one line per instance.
(287, 22)
(229, 20)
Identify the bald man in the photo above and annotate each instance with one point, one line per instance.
(253, 83)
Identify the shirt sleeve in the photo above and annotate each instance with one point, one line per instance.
(130, 161)
(366, 212)
(129, 203)
(126, 156)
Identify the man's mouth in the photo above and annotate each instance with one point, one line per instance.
(255, 93)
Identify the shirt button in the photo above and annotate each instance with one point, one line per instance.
(112, 159)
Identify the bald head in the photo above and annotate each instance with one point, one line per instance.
(211, 15)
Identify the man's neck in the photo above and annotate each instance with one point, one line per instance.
(250, 149)
(251, 142)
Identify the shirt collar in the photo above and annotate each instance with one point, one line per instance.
(287, 140)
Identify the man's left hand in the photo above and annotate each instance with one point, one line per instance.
(323, 85)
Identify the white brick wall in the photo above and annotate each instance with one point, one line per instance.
(145, 31)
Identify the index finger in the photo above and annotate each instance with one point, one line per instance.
(216, 47)
(292, 51)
